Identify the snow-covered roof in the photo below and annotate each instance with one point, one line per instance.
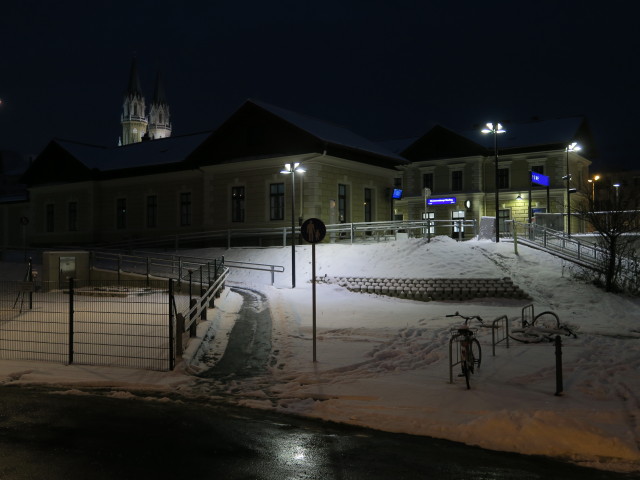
(328, 132)
(530, 134)
(144, 154)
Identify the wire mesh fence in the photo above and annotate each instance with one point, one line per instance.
(101, 323)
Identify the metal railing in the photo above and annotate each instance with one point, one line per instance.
(570, 248)
(276, 236)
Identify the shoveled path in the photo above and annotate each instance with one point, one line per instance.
(249, 346)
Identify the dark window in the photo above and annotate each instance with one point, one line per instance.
(121, 213)
(456, 180)
(276, 201)
(152, 211)
(427, 181)
(237, 204)
(72, 216)
(538, 169)
(503, 216)
(49, 217)
(503, 178)
(185, 209)
(368, 204)
(342, 202)
(397, 182)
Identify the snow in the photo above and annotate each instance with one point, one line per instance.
(383, 362)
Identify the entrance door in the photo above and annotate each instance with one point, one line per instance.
(457, 217)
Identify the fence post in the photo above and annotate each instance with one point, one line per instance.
(558, 343)
(70, 321)
(193, 329)
(172, 355)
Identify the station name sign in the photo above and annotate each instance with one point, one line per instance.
(540, 179)
(442, 201)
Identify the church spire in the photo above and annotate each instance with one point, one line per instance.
(159, 116)
(133, 120)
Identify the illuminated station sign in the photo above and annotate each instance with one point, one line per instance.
(442, 201)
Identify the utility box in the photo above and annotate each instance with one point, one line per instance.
(59, 267)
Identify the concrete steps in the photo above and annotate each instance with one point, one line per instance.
(428, 289)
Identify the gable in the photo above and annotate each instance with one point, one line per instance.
(252, 132)
(55, 165)
(440, 142)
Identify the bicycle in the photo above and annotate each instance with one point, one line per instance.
(470, 350)
(544, 327)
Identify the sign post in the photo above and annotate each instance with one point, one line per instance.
(543, 180)
(313, 230)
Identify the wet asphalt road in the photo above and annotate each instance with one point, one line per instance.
(47, 435)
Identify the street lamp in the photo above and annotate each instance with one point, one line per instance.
(593, 189)
(573, 147)
(617, 185)
(293, 168)
(495, 129)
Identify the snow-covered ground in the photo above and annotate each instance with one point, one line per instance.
(382, 362)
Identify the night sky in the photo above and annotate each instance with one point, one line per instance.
(383, 69)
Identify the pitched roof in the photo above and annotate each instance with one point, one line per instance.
(441, 142)
(328, 132)
(536, 133)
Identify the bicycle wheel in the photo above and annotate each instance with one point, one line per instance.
(546, 320)
(526, 336)
(466, 371)
(476, 352)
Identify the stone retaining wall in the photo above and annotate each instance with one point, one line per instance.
(432, 288)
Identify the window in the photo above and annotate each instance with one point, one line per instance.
(368, 204)
(72, 216)
(503, 178)
(503, 216)
(456, 180)
(427, 181)
(237, 204)
(152, 211)
(342, 203)
(538, 169)
(276, 201)
(49, 217)
(185, 209)
(121, 213)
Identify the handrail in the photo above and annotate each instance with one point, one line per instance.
(584, 253)
(351, 230)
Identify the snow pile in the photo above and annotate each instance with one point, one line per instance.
(383, 362)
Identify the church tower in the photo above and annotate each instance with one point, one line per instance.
(159, 119)
(134, 121)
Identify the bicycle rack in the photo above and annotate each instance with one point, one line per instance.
(500, 324)
(454, 338)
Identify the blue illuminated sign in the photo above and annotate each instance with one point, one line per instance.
(442, 201)
(540, 179)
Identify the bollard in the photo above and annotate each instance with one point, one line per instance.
(558, 344)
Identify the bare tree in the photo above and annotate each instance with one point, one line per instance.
(613, 213)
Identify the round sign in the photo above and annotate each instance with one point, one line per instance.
(313, 230)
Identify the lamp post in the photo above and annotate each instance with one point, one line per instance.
(495, 129)
(593, 189)
(292, 168)
(617, 186)
(573, 147)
